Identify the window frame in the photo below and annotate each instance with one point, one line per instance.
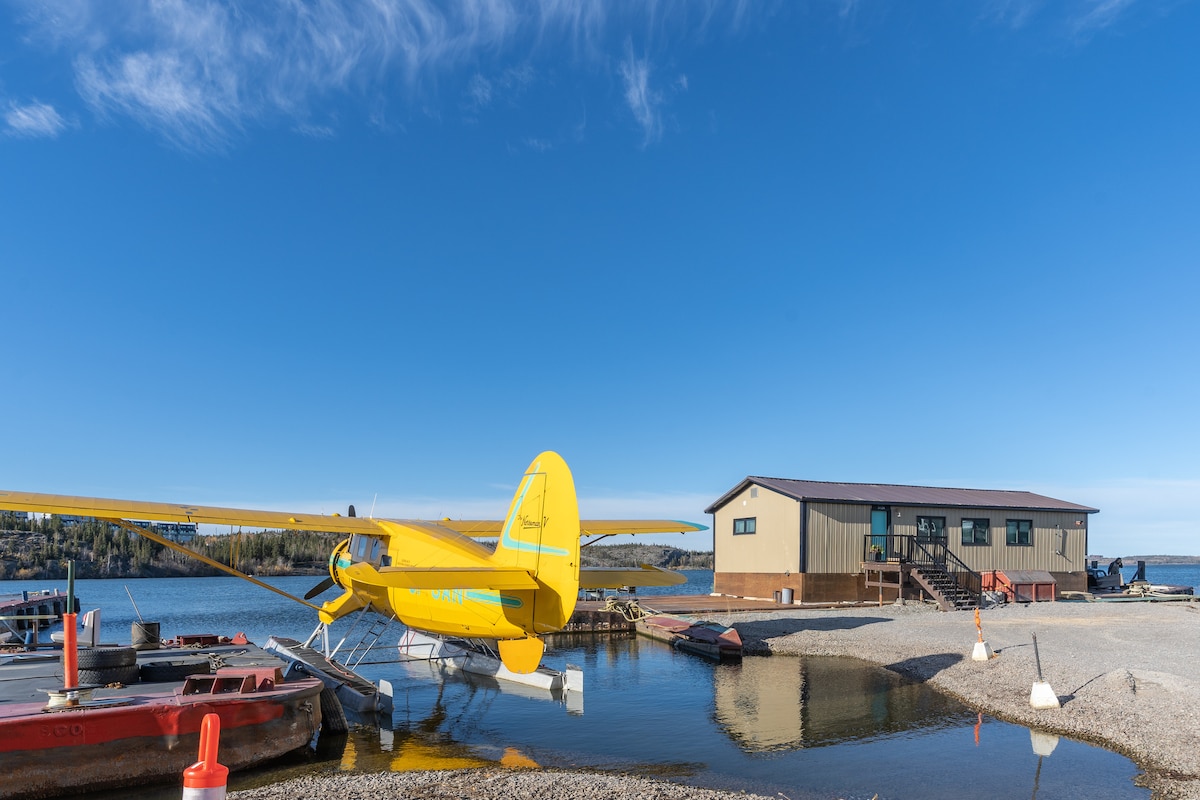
(1008, 539)
(974, 542)
(944, 538)
(746, 530)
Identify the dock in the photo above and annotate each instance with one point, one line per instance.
(597, 616)
(23, 615)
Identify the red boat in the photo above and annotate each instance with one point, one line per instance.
(708, 639)
(151, 737)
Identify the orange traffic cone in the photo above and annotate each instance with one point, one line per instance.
(206, 779)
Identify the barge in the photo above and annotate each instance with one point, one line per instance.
(152, 736)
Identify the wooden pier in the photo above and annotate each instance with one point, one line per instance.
(594, 616)
(31, 611)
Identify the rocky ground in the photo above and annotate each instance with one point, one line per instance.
(1125, 674)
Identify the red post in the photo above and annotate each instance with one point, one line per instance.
(70, 653)
(206, 779)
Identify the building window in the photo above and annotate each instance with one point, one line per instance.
(976, 531)
(741, 526)
(931, 529)
(1020, 532)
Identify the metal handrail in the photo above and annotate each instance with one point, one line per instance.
(933, 553)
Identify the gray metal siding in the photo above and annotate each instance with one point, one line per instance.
(1040, 554)
(835, 532)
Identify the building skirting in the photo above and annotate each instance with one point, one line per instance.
(835, 587)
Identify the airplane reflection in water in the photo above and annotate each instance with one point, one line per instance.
(482, 685)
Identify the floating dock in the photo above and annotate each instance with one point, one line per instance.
(599, 616)
(23, 615)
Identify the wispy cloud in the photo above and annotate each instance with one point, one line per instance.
(33, 120)
(643, 101)
(1014, 14)
(201, 72)
(1097, 14)
(198, 72)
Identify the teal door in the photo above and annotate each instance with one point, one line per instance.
(879, 529)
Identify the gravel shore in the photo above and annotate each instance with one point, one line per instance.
(1125, 673)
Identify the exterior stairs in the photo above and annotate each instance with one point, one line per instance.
(943, 588)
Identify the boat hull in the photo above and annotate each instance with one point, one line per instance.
(707, 639)
(147, 738)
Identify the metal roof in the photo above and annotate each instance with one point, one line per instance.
(890, 494)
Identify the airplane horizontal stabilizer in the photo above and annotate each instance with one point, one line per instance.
(493, 578)
(642, 575)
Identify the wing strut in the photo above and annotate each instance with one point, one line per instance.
(154, 537)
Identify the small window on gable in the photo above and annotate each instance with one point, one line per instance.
(753, 492)
(744, 526)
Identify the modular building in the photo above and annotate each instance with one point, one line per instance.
(815, 541)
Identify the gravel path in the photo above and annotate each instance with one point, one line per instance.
(1125, 673)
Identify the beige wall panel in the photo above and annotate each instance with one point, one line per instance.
(774, 547)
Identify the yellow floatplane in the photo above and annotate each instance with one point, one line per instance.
(431, 575)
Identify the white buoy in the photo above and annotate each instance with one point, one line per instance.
(1041, 696)
(983, 650)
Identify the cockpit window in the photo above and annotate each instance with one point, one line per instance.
(366, 548)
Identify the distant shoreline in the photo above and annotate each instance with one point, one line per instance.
(1156, 560)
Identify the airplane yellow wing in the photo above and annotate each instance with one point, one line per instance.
(173, 512)
(283, 520)
(589, 527)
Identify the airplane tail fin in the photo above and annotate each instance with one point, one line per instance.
(541, 535)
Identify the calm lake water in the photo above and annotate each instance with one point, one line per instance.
(1177, 574)
(802, 727)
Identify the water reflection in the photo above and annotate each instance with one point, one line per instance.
(805, 728)
(783, 703)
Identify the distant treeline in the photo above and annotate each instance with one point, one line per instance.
(40, 550)
(1131, 561)
(656, 555)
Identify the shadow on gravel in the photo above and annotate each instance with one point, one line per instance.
(770, 628)
(925, 667)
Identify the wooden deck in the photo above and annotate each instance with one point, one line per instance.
(689, 604)
(592, 616)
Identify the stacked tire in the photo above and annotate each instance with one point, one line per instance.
(102, 666)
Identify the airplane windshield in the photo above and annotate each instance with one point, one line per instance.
(366, 548)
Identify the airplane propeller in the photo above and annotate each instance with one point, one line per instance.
(328, 583)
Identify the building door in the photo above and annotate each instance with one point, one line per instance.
(879, 529)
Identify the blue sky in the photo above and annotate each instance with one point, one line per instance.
(297, 255)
